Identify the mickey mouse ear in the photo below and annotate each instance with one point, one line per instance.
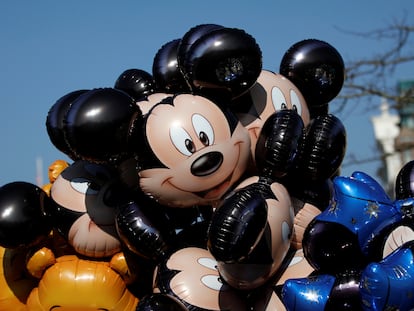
(97, 123)
(192, 36)
(225, 58)
(404, 184)
(166, 71)
(136, 82)
(316, 68)
(55, 121)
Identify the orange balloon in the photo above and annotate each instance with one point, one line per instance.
(14, 286)
(77, 284)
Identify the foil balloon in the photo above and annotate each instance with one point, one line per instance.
(317, 69)
(97, 123)
(93, 285)
(144, 229)
(190, 150)
(271, 93)
(190, 275)
(190, 37)
(250, 233)
(388, 284)
(224, 58)
(323, 292)
(160, 302)
(404, 186)
(323, 148)
(166, 71)
(55, 122)
(15, 284)
(24, 215)
(351, 231)
(278, 142)
(136, 82)
(85, 200)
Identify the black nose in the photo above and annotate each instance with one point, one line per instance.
(207, 164)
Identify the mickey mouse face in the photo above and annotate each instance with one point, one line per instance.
(83, 209)
(271, 93)
(200, 152)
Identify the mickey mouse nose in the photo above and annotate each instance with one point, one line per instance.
(207, 164)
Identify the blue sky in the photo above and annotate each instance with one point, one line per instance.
(50, 47)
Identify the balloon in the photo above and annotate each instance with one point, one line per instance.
(166, 71)
(352, 230)
(323, 148)
(192, 36)
(97, 124)
(323, 292)
(404, 186)
(136, 82)
(237, 226)
(24, 218)
(144, 229)
(160, 302)
(86, 197)
(277, 145)
(250, 233)
(15, 284)
(224, 58)
(93, 285)
(388, 284)
(190, 275)
(317, 69)
(55, 121)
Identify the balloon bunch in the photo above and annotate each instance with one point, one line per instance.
(209, 163)
(345, 244)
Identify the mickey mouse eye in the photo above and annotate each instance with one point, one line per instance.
(203, 129)
(212, 281)
(182, 140)
(278, 99)
(208, 263)
(296, 104)
(84, 186)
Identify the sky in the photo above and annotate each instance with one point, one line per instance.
(50, 48)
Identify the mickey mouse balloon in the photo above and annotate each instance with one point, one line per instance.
(317, 69)
(166, 71)
(225, 58)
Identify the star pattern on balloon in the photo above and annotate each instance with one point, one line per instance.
(372, 209)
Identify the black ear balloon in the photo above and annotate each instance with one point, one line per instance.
(316, 68)
(404, 187)
(166, 71)
(192, 36)
(24, 216)
(97, 124)
(55, 122)
(136, 82)
(225, 58)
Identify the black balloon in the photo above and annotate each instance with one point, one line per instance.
(278, 142)
(24, 215)
(404, 182)
(331, 248)
(144, 229)
(166, 71)
(55, 121)
(160, 302)
(225, 58)
(323, 148)
(192, 36)
(316, 68)
(97, 124)
(136, 82)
